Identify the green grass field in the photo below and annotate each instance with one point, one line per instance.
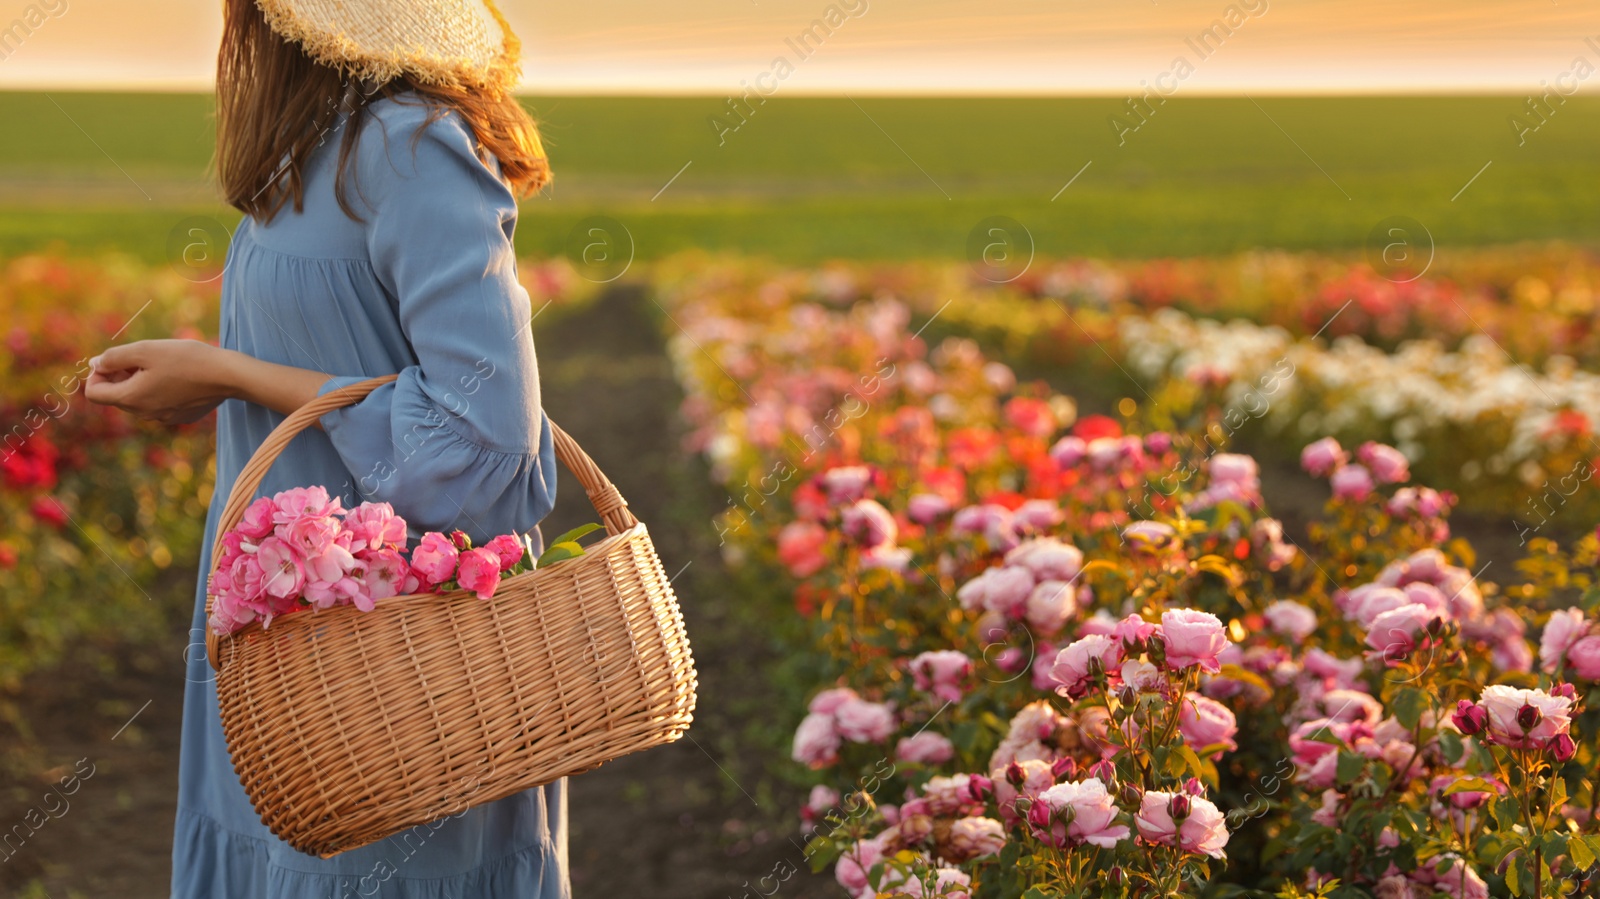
(808, 177)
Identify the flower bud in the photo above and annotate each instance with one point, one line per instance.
(1562, 747)
(979, 788)
(1116, 876)
(1063, 768)
(1470, 717)
(1435, 627)
(1015, 775)
(1528, 717)
(1178, 806)
(1105, 771)
(461, 540)
(1566, 690)
(1194, 787)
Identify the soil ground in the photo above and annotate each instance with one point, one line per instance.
(700, 818)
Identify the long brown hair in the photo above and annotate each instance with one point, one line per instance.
(275, 105)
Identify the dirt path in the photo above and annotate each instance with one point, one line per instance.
(701, 818)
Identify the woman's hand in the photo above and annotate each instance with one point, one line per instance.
(180, 381)
(170, 381)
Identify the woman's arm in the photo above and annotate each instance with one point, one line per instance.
(180, 381)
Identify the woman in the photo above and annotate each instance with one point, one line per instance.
(377, 155)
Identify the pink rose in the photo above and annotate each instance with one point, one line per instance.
(1205, 722)
(1074, 666)
(510, 550)
(1291, 619)
(864, 722)
(385, 572)
(828, 701)
(303, 502)
(1071, 814)
(1133, 630)
(1352, 482)
(375, 526)
(972, 838)
(1193, 638)
(1387, 464)
(1365, 603)
(256, 523)
(1524, 719)
(282, 571)
(1234, 468)
(1394, 634)
(1068, 451)
(479, 572)
(1038, 514)
(1047, 558)
(800, 547)
(434, 559)
(822, 800)
(1050, 606)
(1561, 632)
(945, 796)
(1583, 659)
(926, 748)
(926, 508)
(1004, 589)
(309, 536)
(886, 557)
(868, 523)
(847, 483)
(941, 673)
(1322, 457)
(816, 741)
(1188, 823)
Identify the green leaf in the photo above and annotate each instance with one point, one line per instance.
(1035, 893)
(1506, 813)
(1234, 672)
(560, 552)
(1513, 878)
(1408, 705)
(822, 852)
(1470, 785)
(1582, 853)
(1350, 766)
(1453, 748)
(576, 533)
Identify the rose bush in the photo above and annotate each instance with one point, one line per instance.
(1056, 658)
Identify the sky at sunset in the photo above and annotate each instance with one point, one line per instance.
(933, 46)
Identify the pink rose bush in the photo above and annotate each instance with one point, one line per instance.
(301, 549)
(1075, 655)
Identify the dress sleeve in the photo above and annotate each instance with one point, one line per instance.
(460, 439)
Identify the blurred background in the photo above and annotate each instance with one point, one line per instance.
(1406, 193)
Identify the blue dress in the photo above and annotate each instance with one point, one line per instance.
(424, 287)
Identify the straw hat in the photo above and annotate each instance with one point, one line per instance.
(460, 43)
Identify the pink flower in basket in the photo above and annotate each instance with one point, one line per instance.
(304, 502)
(257, 520)
(434, 559)
(509, 548)
(479, 572)
(283, 572)
(374, 526)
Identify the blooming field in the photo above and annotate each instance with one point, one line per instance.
(95, 506)
(1063, 656)
(1479, 377)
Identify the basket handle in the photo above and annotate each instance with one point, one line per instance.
(603, 495)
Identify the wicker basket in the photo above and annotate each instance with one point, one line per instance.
(347, 726)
